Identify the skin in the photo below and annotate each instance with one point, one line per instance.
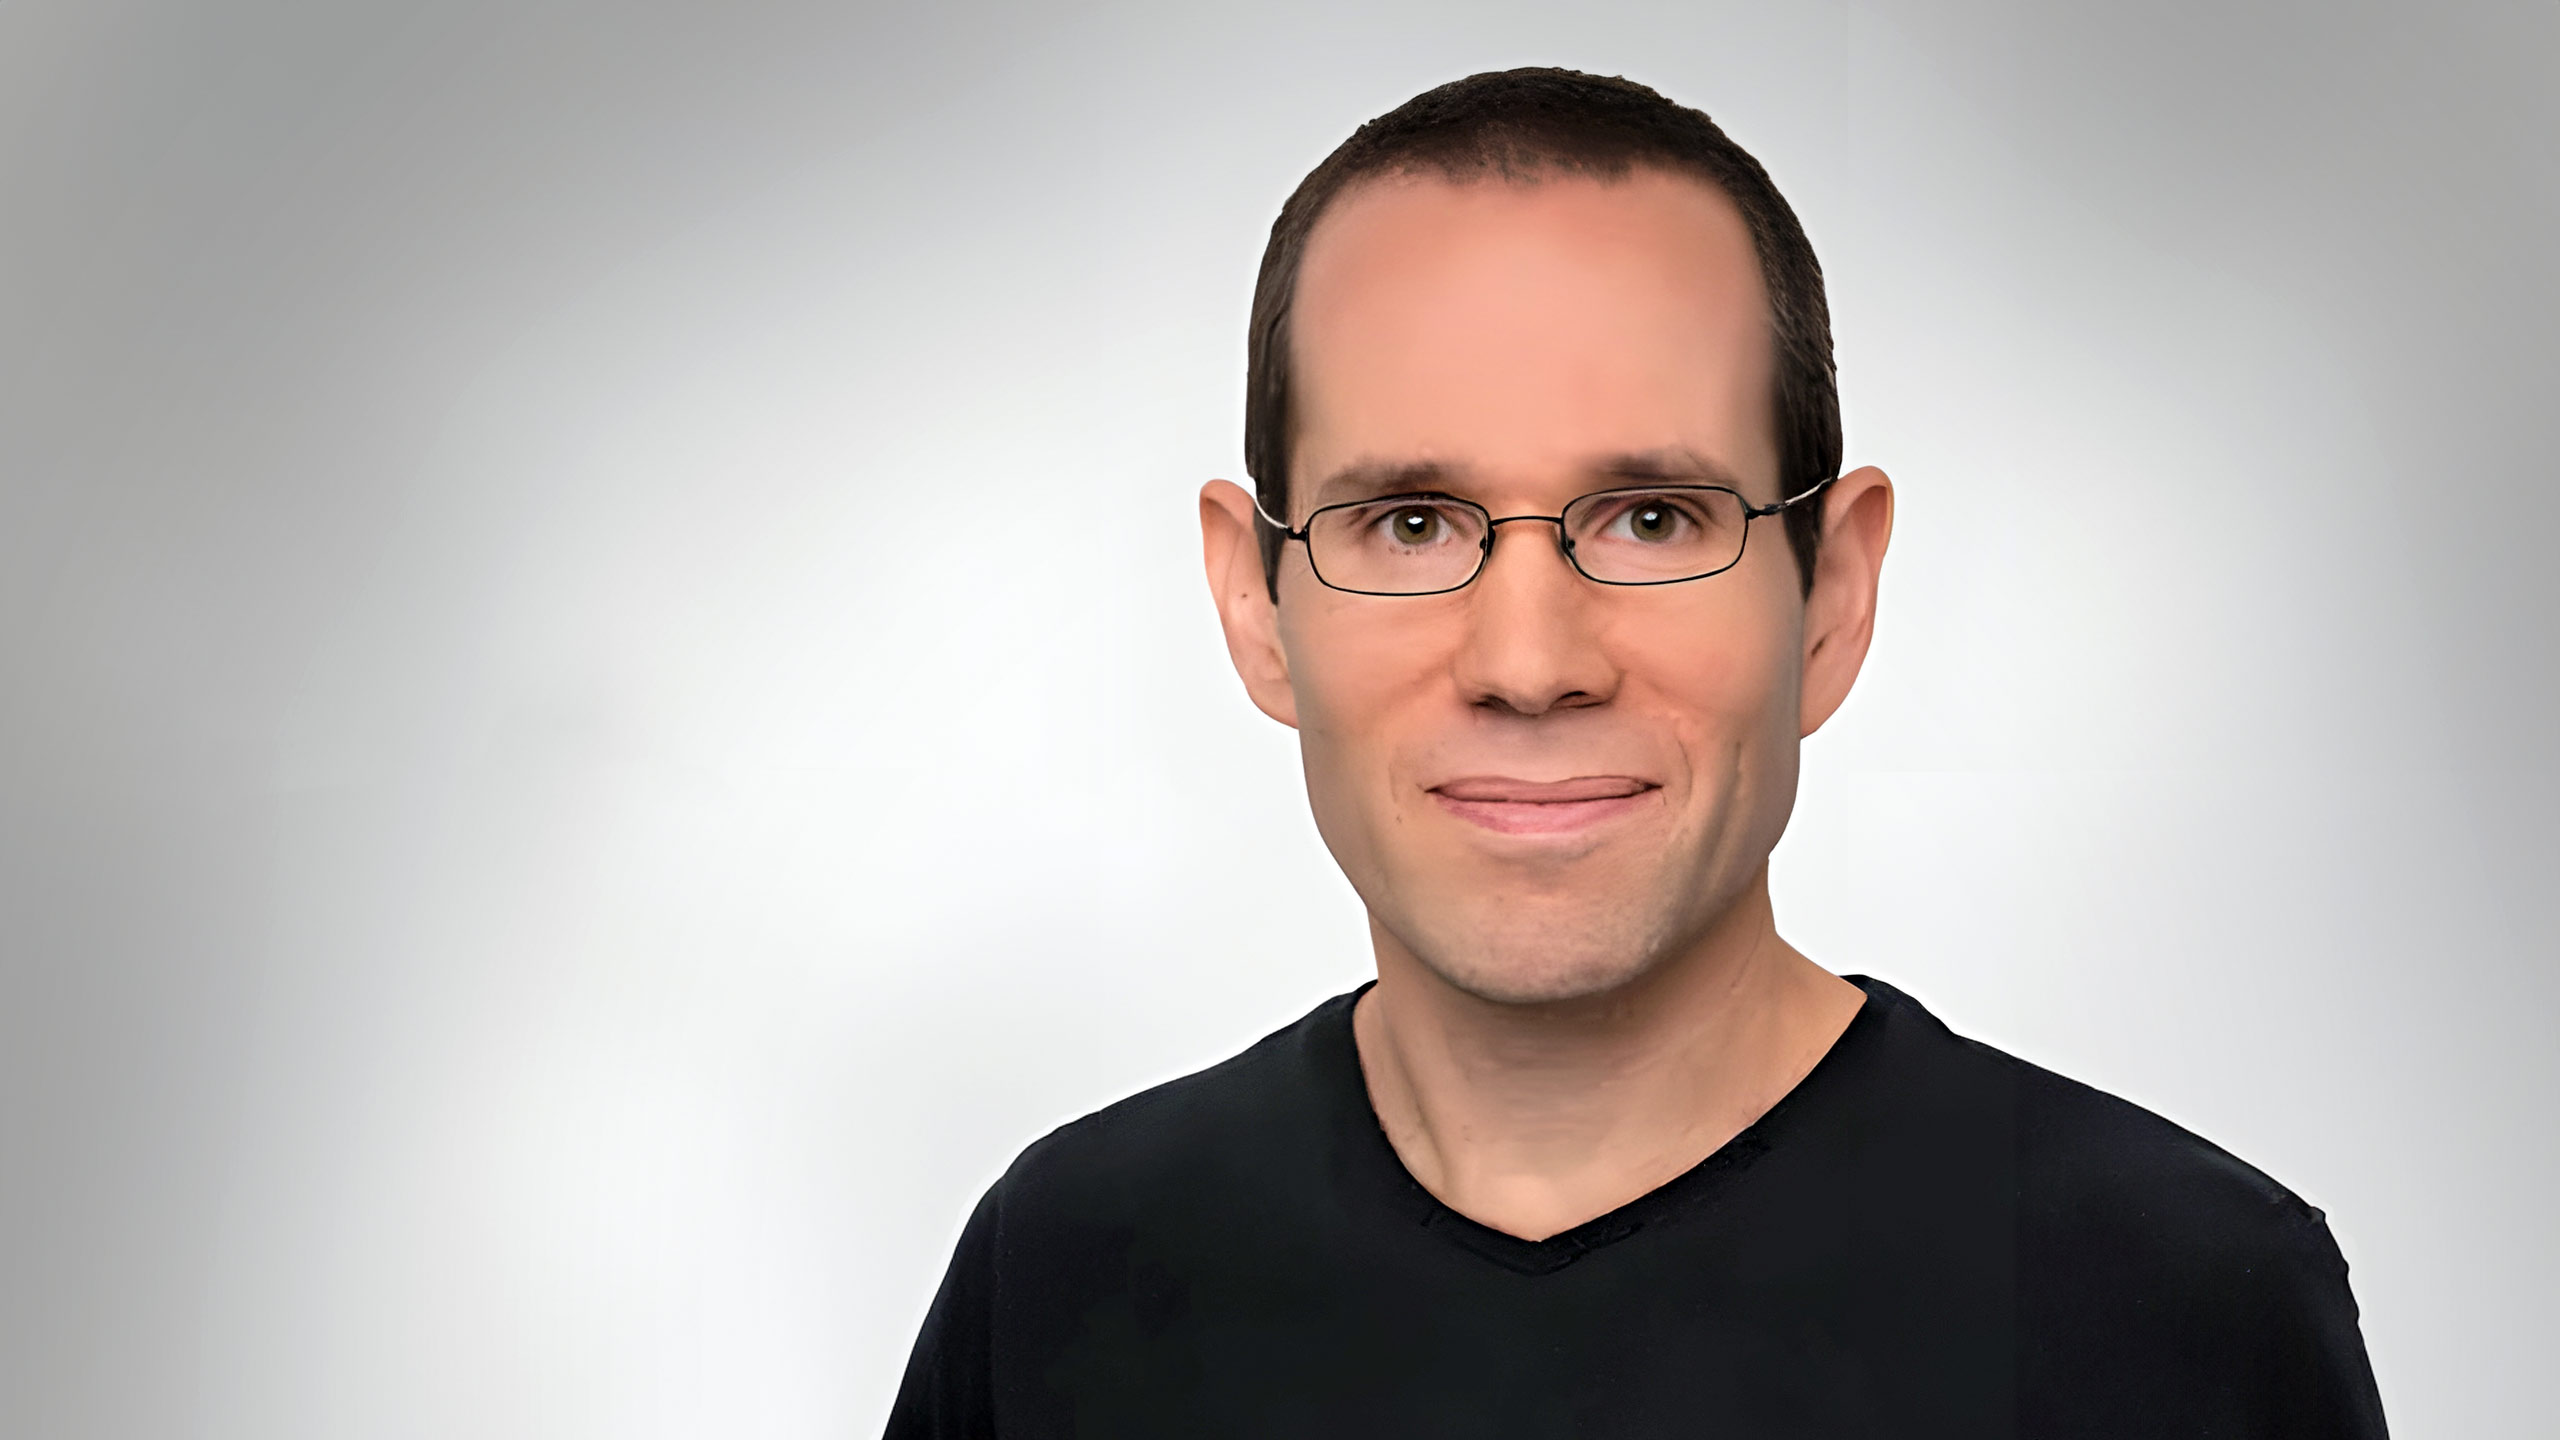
(1556, 798)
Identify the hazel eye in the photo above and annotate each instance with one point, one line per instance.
(1653, 521)
(1414, 525)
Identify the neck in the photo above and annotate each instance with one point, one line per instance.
(1534, 1118)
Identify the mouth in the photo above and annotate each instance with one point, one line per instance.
(1541, 807)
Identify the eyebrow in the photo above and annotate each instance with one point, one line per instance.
(1677, 465)
(1376, 479)
(1373, 479)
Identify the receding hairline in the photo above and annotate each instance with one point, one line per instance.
(1410, 177)
(1633, 169)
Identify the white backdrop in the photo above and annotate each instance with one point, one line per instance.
(608, 702)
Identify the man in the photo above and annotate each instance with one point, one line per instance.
(1552, 567)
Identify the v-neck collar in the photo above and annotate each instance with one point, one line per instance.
(1341, 1059)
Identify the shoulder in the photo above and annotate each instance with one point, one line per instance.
(1248, 1120)
(2096, 1167)
(2159, 1275)
(2086, 1157)
(2129, 1225)
(2123, 1213)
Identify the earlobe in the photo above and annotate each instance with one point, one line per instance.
(1840, 613)
(1246, 611)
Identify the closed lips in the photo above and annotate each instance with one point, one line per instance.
(1541, 807)
(1503, 790)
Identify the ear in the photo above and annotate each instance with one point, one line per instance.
(1245, 608)
(1840, 613)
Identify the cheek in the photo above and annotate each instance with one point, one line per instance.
(1362, 691)
(1729, 688)
(1352, 672)
(1353, 677)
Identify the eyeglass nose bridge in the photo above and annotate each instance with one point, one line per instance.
(1564, 537)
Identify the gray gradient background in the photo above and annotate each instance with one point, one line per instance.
(550, 844)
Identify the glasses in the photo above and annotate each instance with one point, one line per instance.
(1430, 544)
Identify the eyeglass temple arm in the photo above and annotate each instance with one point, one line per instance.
(1278, 524)
(1806, 493)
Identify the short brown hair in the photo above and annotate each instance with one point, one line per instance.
(1516, 124)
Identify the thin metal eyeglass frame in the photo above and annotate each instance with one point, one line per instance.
(1564, 541)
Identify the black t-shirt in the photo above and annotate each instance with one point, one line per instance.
(1926, 1237)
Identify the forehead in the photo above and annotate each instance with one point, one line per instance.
(1530, 329)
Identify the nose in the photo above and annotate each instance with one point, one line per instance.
(1532, 642)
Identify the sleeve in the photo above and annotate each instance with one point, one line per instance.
(948, 1393)
(2317, 1382)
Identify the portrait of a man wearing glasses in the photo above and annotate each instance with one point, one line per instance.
(1552, 565)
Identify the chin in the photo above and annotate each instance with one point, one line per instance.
(1546, 961)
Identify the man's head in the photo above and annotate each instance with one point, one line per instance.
(1519, 126)
(1544, 787)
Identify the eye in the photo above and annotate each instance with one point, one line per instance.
(1654, 520)
(1414, 525)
